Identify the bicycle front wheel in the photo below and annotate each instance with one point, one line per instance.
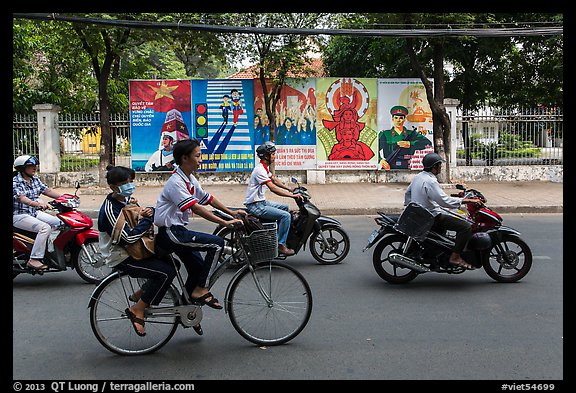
(113, 328)
(271, 305)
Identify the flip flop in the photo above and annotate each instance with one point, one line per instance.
(134, 319)
(198, 329)
(211, 303)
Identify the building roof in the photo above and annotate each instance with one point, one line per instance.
(251, 72)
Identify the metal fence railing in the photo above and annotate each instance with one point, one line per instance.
(495, 137)
(532, 136)
(79, 139)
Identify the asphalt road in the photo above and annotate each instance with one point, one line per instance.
(464, 327)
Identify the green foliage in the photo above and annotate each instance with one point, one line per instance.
(71, 162)
(508, 146)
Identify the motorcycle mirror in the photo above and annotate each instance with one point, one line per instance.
(293, 180)
(460, 187)
(77, 186)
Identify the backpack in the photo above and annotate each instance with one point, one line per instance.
(251, 224)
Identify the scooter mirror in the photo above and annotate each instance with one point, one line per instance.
(293, 180)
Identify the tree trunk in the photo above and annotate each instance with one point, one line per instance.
(435, 96)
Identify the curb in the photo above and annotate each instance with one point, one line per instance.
(370, 211)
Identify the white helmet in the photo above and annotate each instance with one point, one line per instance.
(22, 161)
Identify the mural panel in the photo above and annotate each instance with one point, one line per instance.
(295, 125)
(347, 119)
(405, 124)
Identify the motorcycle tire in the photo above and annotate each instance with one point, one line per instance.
(510, 255)
(84, 269)
(338, 245)
(387, 270)
(239, 259)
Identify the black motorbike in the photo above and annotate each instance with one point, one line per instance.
(409, 245)
(328, 241)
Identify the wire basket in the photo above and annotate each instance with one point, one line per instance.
(415, 221)
(261, 245)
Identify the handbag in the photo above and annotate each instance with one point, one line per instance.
(144, 247)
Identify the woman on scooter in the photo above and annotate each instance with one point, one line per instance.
(158, 272)
(27, 209)
(256, 203)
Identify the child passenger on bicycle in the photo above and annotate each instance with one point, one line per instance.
(181, 195)
(158, 272)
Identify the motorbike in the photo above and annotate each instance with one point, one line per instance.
(73, 245)
(408, 245)
(328, 242)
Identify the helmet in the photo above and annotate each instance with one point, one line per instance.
(479, 241)
(431, 159)
(266, 148)
(25, 160)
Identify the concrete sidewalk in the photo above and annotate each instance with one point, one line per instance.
(360, 198)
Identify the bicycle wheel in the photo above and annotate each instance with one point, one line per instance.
(111, 325)
(278, 320)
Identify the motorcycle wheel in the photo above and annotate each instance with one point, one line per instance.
(239, 258)
(388, 271)
(338, 245)
(509, 261)
(86, 270)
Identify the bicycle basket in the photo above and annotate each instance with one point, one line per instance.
(415, 221)
(261, 245)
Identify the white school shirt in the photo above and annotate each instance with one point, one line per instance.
(174, 202)
(255, 192)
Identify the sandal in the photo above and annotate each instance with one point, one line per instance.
(213, 302)
(462, 263)
(37, 267)
(135, 320)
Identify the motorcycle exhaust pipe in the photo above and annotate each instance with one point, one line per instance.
(408, 263)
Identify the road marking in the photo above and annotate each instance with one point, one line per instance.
(541, 257)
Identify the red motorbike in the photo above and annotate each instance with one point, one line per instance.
(73, 245)
(408, 245)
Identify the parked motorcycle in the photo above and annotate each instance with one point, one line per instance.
(328, 241)
(74, 245)
(408, 245)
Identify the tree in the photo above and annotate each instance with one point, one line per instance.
(106, 49)
(277, 56)
(482, 71)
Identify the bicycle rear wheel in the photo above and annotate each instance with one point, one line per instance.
(111, 325)
(278, 320)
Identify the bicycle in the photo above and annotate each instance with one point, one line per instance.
(268, 302)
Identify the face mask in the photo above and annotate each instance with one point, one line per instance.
(127, 189)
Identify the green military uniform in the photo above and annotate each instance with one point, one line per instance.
(396, 156)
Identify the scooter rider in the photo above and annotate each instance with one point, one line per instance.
(426, 191)
(256, 203)
(26, 189)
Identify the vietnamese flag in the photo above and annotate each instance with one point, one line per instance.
(160, 95)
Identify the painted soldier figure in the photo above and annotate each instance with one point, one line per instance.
(397, 145)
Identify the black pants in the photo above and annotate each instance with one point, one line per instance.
(159, 273)
(463, 228)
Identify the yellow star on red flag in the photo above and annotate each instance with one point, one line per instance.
(163, 90)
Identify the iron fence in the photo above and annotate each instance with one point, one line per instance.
(525, 136)
(486, 137)
(79, 139)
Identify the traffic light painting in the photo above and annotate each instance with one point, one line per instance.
(201, 123)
